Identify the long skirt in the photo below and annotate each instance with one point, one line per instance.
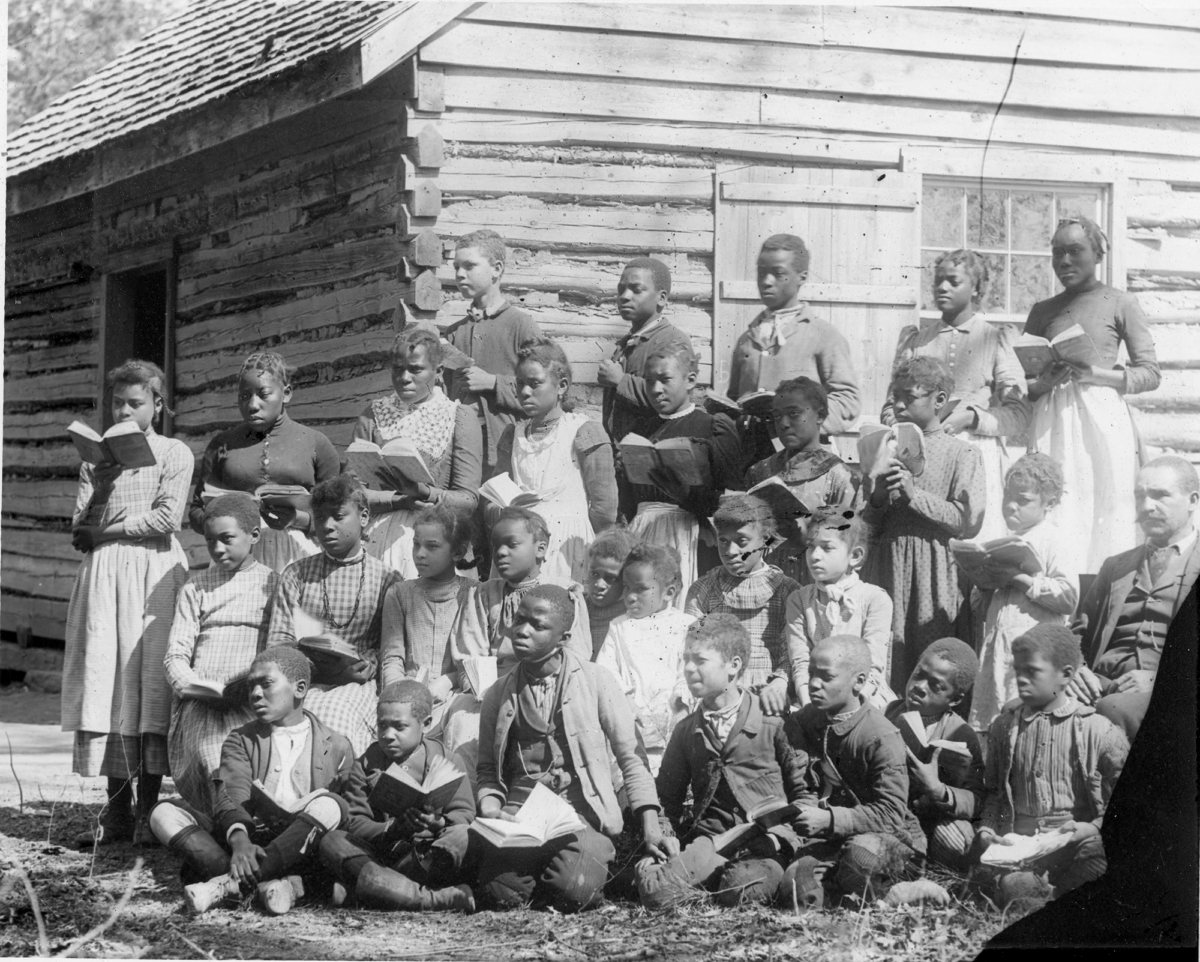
(278, 549)
(349, 709)
(997, 459)
(1089, 430)
(198, 731)
(668, 524)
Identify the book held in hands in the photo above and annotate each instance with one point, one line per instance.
(269, 810)
(992, 565)
(766, 814)
(682, 458)
(877, 444)
(1072, 346)
(379, 466)
(504, 492)
(912, 730)
(480, 673)
(1018, 851)
(543, 816)
(397, 790)
(124, 444)
(784, 502)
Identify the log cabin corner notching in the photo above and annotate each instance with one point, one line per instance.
(197, 200)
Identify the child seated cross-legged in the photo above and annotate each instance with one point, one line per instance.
(410, 861)
(605, 590)
(838, 602)
(945, 790)
(755, 592)
(558, 721)
(1051, 767)
(339, 591)
(644, 646)
(861, 836)
(220, 625)
(733, 758)
(263, 835)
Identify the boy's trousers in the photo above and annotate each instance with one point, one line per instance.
(567, 873)
(864, 865)
(751, 877)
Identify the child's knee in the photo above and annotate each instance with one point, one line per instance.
(168, 819)
(749, 881)
(574, 879)
(950, 842)
(325, 811)
(869, 863)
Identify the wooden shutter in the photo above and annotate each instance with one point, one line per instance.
(864, 231)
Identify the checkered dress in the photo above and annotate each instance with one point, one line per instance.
(119, 616)
(759, 602)
(349, 708)
(220, 625)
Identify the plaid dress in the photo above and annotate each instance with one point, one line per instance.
(115, 696)
(328, 590)
(759, 602)
(220, 625)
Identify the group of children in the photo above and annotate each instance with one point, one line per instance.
(650, 639)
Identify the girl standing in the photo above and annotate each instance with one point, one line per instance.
(563, 457)
(1080, 418)
(267, 448)
(446, 434)
(115, 695)
(989, 386)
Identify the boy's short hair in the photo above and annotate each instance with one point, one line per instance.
(237, 505)
(416, 336)
(330, 495)
(487, 242)
(659, 270)
(848, 524)
(559, 600)
(290, 660)
(735, 510)
(1040, 472)
(662, 559)
(1185, 471)
(788, 242)
(1056, 643)
(924, 372)
(975, 267)
(534, 523)
(409, 691)
(679, 351)
(723, 633)
(456, 524)
(808, 390)
(852, 650)
(269, 363)
(962, 656)
(614, 542)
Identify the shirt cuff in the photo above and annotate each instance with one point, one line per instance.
(238, 827)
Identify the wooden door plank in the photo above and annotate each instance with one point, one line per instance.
(809, 194)
(828, 293)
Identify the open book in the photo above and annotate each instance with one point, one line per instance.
(329, 653)
(1072, 346)
(269, 810)
(912, 730)
(233, 692)
(281, 502)
(1023, 849)
(785, 503)
(766, 814)
(543, 816)
(682, 458)
(397, 790)
(504, 492)
(480, 673)
(991, 565)
(904, 441)
(754, 403)
(124, 444)
(378, 466)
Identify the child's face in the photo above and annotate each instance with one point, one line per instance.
(261, 399)
(399, 730)
(228, 545)
(797, 422)
(538, 390)
(829, 557)
(779, 282)
(516, 553)
(537, 630)
(1039, 682)
(604, 586)
(638, 298)
(274, 696)
(413, 379)
(474, 274)
(741, 548)
(917, 405)
(1164, 508)
(136, 403)
(930, 688)
(432, 553)
(340, 530)
(833, 685)
(1023, 507)
(1072, 257)
(645, 594)
(706, 671)
(669, 384)
(952, 288)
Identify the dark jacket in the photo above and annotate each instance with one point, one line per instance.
(963, 776)
(867, 753)
(366, 822)
(246, 756)
(629, 402)
(756, 763)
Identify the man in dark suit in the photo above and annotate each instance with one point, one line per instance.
(1126, 614)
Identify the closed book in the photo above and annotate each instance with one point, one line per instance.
(330, 656)
(756, 403)
(543, 816)
(124, 444)
(717, 403)
(396, 790)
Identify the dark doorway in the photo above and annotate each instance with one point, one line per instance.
(139, 310)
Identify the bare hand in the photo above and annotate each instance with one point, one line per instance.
(478, 380)
(610, 373)
(278, 517)
(899, 480)
(1056, 374)
(1086, 687)
(923, 776)
(659, 846)
(415, 821)
(1137, 681)
(1080, 831)
(358, 673)
(962, 419)
(85, 537)
(1023, 581)
(105, 473)
(985, 838)
(772, 698)
(243, 866)
(491, 807)
(441, 688)
(812, 821)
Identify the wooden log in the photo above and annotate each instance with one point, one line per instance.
(1160, 252)
(78, 384)
(39, 359)
(42, 577)
(45, 425)
(595, 282)
(427, 148)
(43, 617)
(80, 321)
(424, 198)
(425, 249)
(47, 498)
(426, 291)
(61, 459)
(431, 88)
(1174, 430)
(15, 658)
(40, 543)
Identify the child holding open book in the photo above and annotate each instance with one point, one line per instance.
(445, 433)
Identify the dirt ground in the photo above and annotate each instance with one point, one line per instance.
(77, 890)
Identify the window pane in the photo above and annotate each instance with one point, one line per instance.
(987, 224)
(1031, 221)
(927, 259)
(995, 300)
(1030, 282)
(1075, 204)
(941, 216)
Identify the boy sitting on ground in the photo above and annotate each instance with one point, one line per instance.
(266, 836)
(733, 757)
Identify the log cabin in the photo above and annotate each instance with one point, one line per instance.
(265, 175)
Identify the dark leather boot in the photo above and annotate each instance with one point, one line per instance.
(384, 888)
(345, 860)
(204, 858)
(147, 797)
(291, 846)
(454, 898)
(116, 818)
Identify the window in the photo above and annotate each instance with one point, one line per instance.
(1011, 224)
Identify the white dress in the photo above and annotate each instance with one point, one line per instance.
(547, 467)
(660, 522)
